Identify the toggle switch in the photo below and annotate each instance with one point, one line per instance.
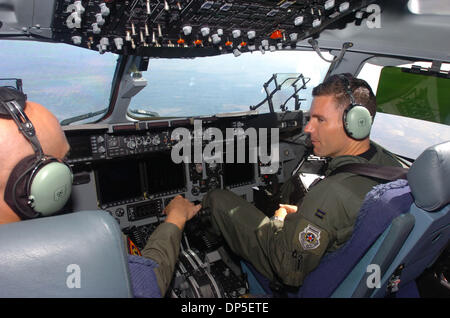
(187, 29)
(118, 42)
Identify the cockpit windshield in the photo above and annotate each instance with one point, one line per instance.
(68, 80)
(54, 76)
(75, 84)
(225, 83)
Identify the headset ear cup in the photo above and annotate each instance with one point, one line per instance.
(357, 122)
(47, 184)
(16, 193)
(50, 187)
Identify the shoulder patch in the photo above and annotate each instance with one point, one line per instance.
(310, 237)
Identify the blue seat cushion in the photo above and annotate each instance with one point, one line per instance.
(382, 205)
(143, 277)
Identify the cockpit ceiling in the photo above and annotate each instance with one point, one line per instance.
(195, 28)
(188, 28)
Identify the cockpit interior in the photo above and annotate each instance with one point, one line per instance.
(122, 158)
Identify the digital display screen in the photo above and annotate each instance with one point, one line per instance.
(119, 180)
(80, 146)
(238, 173)
(163, 174)
(235, 173)
(128, 179)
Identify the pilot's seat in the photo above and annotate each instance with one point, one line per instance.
(80, 254)
(402, 228)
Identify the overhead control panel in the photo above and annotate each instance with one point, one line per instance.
(185, 28)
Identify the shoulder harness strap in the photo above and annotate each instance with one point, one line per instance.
(388, 173)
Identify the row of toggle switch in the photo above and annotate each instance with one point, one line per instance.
(143, 35)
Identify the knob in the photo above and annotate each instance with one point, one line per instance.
(204, 31)
(119, 43)
(99, 19)
(187, 30)
(216, 39)
(104, 9)
(104, 42)
(236, 33)
(95, 28)
(265, 44)
(131, 144)
(76, 39)
(298, 20)
(119, 212)
(112, 142)
(195, 191)
(344, 6)
(329, 4)
(156, 140)
(317, 22)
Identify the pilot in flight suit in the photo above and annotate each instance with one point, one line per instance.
(288, 250)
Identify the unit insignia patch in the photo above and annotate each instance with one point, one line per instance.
(309, 238)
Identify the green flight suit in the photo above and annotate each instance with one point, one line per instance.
(163, 247)
(288, 250)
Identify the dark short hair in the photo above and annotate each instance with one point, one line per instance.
(336, 86)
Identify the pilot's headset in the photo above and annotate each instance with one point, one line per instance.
(39, 185)
(356, 118)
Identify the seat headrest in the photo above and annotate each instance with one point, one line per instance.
(80, 254)
(429, 178)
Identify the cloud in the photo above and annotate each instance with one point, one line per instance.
(234, 108)
(169, 111)
(407, 136)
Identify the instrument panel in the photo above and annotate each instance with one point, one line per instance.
(129, 170)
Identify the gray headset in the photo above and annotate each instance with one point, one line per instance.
(39, 185)
(356, 118)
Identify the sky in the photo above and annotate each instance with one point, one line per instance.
(71, 81)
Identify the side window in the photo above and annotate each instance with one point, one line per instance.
(405, 136)
(54, 77)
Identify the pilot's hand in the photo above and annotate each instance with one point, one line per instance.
(284, 210)
(180, 210)
(289, 208)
